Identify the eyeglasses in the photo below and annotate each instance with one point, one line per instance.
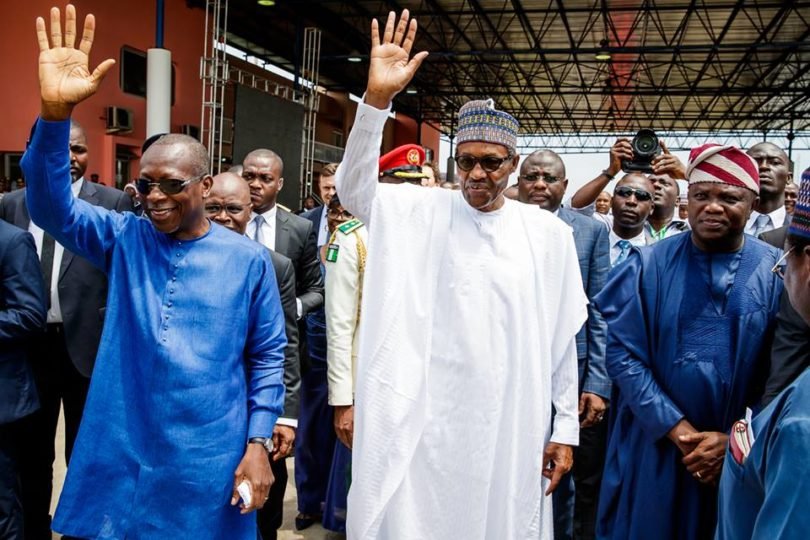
(334, 214)
(467, 163)
(781, 265)
(546, 178)
(169, 187)
(625, 192)
(232, 209)
(263, 178)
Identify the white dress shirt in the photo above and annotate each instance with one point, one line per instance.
(777, 220)
(268, 228)
(615, 250)
(55, 311)
(323, 233)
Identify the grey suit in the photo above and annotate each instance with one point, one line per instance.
(285, 279)
(576, 498)
(296, 240)
(62, 359)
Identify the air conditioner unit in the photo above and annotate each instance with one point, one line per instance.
(118, 120)
(190, 130)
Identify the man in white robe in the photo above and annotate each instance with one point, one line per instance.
(471, 305)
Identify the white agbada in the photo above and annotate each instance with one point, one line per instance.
(467, 339)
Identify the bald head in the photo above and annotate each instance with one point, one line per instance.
(768, 147)
(228, 202)
(194, 155)
(265, 154)
(544, 156)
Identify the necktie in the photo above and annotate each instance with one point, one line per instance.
(762, 224)
(46, 261)
(624, 245)
(259, 234)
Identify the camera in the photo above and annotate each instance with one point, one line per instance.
(645, 148)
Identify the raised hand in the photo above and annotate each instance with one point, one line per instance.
(666, 163)
(64, 74)
(391, 67)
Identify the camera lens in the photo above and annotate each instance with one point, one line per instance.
(645, 143)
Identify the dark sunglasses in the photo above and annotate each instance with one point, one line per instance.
(546, 178)
(467, 163)
(232, 209)
(169, 187)
(625, 192)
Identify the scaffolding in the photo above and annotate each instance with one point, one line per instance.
(311, 65)
(214, 75)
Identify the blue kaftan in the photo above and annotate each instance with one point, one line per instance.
(189, 366)
(686, 331)
(766, 497)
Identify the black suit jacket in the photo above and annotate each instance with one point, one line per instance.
(22, 316)
(285, 278)
(296, 240)
(82, 287)
(790, 354)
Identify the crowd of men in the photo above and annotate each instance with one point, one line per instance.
(440, 363)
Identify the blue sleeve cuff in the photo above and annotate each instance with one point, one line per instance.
(601, 389)
(261, 424)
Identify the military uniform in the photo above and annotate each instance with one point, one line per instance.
(345, 264)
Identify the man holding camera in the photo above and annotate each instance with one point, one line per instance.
(644, 155)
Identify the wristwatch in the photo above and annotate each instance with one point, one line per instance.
(266, 442)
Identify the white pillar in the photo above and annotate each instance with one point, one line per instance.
(158, 91)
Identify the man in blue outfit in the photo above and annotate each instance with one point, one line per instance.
(766, 477)
(688, 321)
(182, 402)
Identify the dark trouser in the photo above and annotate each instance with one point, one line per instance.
(11, 510)
(270, 516)
(58, 383)
(577, 497)
(314, 441)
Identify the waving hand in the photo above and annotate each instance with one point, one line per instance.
(391, 67)
(64, 74)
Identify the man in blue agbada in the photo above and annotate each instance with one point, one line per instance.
(188, 381)
(766, 474)
(687, 320)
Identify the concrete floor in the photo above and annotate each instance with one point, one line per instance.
(287, 531)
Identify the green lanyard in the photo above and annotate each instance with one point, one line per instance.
(659, 235)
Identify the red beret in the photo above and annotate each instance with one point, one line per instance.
(403, 162)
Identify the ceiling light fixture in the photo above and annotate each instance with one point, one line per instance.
(266, 3)
(603, 55)
(412, 91)
(354, 57)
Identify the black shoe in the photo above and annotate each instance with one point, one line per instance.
(305, 521)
